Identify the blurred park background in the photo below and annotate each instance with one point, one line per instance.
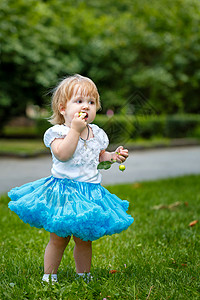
(144, 57)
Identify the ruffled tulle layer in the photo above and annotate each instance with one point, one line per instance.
(67, 207)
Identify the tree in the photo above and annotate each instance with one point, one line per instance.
(123, 46)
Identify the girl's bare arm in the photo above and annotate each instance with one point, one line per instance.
(63, 149)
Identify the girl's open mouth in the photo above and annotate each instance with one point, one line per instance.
(86, 114)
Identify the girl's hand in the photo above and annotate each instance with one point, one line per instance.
(120, 154)
(78, 123)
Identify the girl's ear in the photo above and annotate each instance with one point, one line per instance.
(61, 109)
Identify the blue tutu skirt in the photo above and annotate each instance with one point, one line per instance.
(68, 207)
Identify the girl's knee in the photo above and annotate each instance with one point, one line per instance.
(80, 242)
(59, 241)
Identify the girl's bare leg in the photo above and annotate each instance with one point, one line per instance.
(82, 255)
(54, 252)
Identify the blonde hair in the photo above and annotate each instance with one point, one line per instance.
(68, 88)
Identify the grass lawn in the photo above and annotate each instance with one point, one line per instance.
(158, 257)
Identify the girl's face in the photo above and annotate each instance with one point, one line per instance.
(77, 104)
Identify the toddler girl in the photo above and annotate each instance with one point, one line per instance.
(72, 201)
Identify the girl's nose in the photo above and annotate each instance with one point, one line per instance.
(85, 106)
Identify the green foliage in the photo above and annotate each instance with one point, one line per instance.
(124, 46)
(117, 127)
(181, 126)
(105, 165)
(41, 126)
(146, 127)
(159, 253)
(124, 128)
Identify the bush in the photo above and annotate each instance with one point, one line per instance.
(41, 126)
(146, 127)
(179, 126)
(121, 128)
(196, 132)
(118, 128)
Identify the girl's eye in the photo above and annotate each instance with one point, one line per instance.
(79, 101)
(91, 102)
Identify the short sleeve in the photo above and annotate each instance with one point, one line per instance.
(55, 132)
(102, 137)
(105, 140)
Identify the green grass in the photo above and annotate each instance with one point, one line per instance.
(22, 147)
(158, 257)
(20, 131)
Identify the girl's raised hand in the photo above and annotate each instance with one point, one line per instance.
(120, 154)
(78, 122)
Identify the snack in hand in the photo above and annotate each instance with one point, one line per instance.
(83, 113)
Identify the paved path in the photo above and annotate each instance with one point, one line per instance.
(141, 165)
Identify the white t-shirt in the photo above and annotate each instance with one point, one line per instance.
(82, 166)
